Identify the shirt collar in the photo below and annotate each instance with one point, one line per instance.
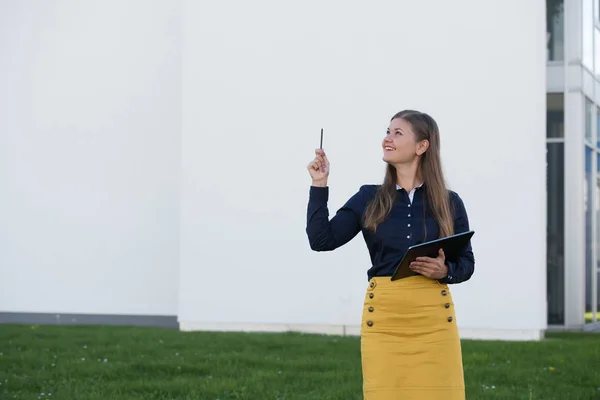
(398, 187)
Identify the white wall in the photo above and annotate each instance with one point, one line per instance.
(259, 81)
(93, 218)
(89, 156)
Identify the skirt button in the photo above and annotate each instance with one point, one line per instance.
(371, 309)
(449, 319)
(443, 292)
(447, 305)
(372, 284)
(371, 295)
(370, 323)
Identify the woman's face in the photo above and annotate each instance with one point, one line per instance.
(400, 144)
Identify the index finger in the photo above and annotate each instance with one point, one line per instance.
(425, 259)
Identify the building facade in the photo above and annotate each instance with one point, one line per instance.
(573, 159)
(170, 188)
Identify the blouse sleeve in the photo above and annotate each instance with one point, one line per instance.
(325, 234)
(462, 269)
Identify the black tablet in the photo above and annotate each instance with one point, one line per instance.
(452, 246)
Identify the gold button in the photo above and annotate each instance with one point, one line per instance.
(371, 309)
(370, 323)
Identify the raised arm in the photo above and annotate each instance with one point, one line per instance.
(324, 234)
(462, 269)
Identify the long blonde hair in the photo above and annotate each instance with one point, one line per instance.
(430, 170)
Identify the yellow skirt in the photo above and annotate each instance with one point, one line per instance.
(409, 341)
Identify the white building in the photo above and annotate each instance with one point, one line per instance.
(573, 141)
(153, 157)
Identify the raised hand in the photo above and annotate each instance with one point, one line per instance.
(318, 168)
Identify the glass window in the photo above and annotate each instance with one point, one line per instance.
(554, 30)
(597, 263)
(555, 115)
(598, 127)
(598, 297)
(589, 114)
(555, 181)
(587, 204)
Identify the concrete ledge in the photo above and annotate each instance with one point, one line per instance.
(354, 330)
(157, 321)
(519, 335)
(338, 330)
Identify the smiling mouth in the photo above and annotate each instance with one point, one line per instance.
(388, 148)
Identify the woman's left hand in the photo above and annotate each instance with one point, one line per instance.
(434, 268)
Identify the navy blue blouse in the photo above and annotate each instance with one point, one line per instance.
(409, 223)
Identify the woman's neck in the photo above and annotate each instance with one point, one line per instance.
(408, 177)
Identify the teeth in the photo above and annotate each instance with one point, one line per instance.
(390, 148)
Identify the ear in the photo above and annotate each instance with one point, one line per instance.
(422, 147)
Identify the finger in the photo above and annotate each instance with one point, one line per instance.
(421, 265)
(429, 259)
(325, 161)
(318, 162)
(441, 253)
(423, 270)
(320, 152)
(426, 268)
(425, 259)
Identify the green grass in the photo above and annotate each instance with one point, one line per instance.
(84, 363)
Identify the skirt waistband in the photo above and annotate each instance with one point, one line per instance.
(412, 282)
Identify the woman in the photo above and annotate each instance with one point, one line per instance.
(409, 339)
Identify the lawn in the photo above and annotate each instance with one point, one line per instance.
(86, 362)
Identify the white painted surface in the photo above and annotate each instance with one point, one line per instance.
(93, 147)
(89, 156)
(260, 82)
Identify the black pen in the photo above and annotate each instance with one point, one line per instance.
(321, 139)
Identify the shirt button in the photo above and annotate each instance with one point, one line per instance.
(408, 237)
(409, 215)
(409, 205)
(409, 225)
